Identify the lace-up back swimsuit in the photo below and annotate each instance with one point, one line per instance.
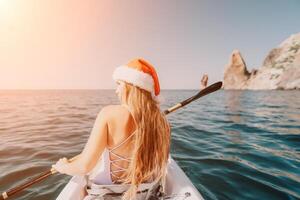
(103, 172)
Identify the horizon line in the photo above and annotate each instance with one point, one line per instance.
(35, 89)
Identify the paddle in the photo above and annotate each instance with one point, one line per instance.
(212, 88)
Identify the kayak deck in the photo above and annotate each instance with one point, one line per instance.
(178, 186)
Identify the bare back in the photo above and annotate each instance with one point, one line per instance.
(121, 126)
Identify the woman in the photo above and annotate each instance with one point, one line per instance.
(131, 140)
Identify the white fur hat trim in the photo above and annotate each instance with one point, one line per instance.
(135, 77)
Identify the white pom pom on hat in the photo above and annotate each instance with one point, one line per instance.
(139, 73)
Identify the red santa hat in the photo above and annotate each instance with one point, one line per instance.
(139, 73)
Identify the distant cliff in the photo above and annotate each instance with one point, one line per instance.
(280, 69)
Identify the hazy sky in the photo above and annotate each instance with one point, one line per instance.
(76, 44)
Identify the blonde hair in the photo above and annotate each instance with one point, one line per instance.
(151, 142)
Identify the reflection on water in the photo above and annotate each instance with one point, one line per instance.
(232, 144)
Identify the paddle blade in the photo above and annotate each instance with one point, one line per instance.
(210, 89)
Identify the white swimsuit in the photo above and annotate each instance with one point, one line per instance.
(102, 173)
(99, 182)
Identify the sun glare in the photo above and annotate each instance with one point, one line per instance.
(6, 9)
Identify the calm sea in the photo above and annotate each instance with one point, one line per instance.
(231, 144)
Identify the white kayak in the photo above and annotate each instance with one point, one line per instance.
(178, 186)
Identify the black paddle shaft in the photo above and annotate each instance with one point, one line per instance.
(212, 88)
(25, 185)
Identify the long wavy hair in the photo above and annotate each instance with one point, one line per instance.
(151, 141)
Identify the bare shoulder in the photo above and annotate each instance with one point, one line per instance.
(113, 111)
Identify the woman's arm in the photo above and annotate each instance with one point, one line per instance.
(91, 153)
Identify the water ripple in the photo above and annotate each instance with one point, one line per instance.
(232, 144)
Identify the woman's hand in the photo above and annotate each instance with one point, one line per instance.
(61, 165)
(92, 151)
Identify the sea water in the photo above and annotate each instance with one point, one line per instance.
(231, 144)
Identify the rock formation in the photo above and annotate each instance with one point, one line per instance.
(280, 69)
